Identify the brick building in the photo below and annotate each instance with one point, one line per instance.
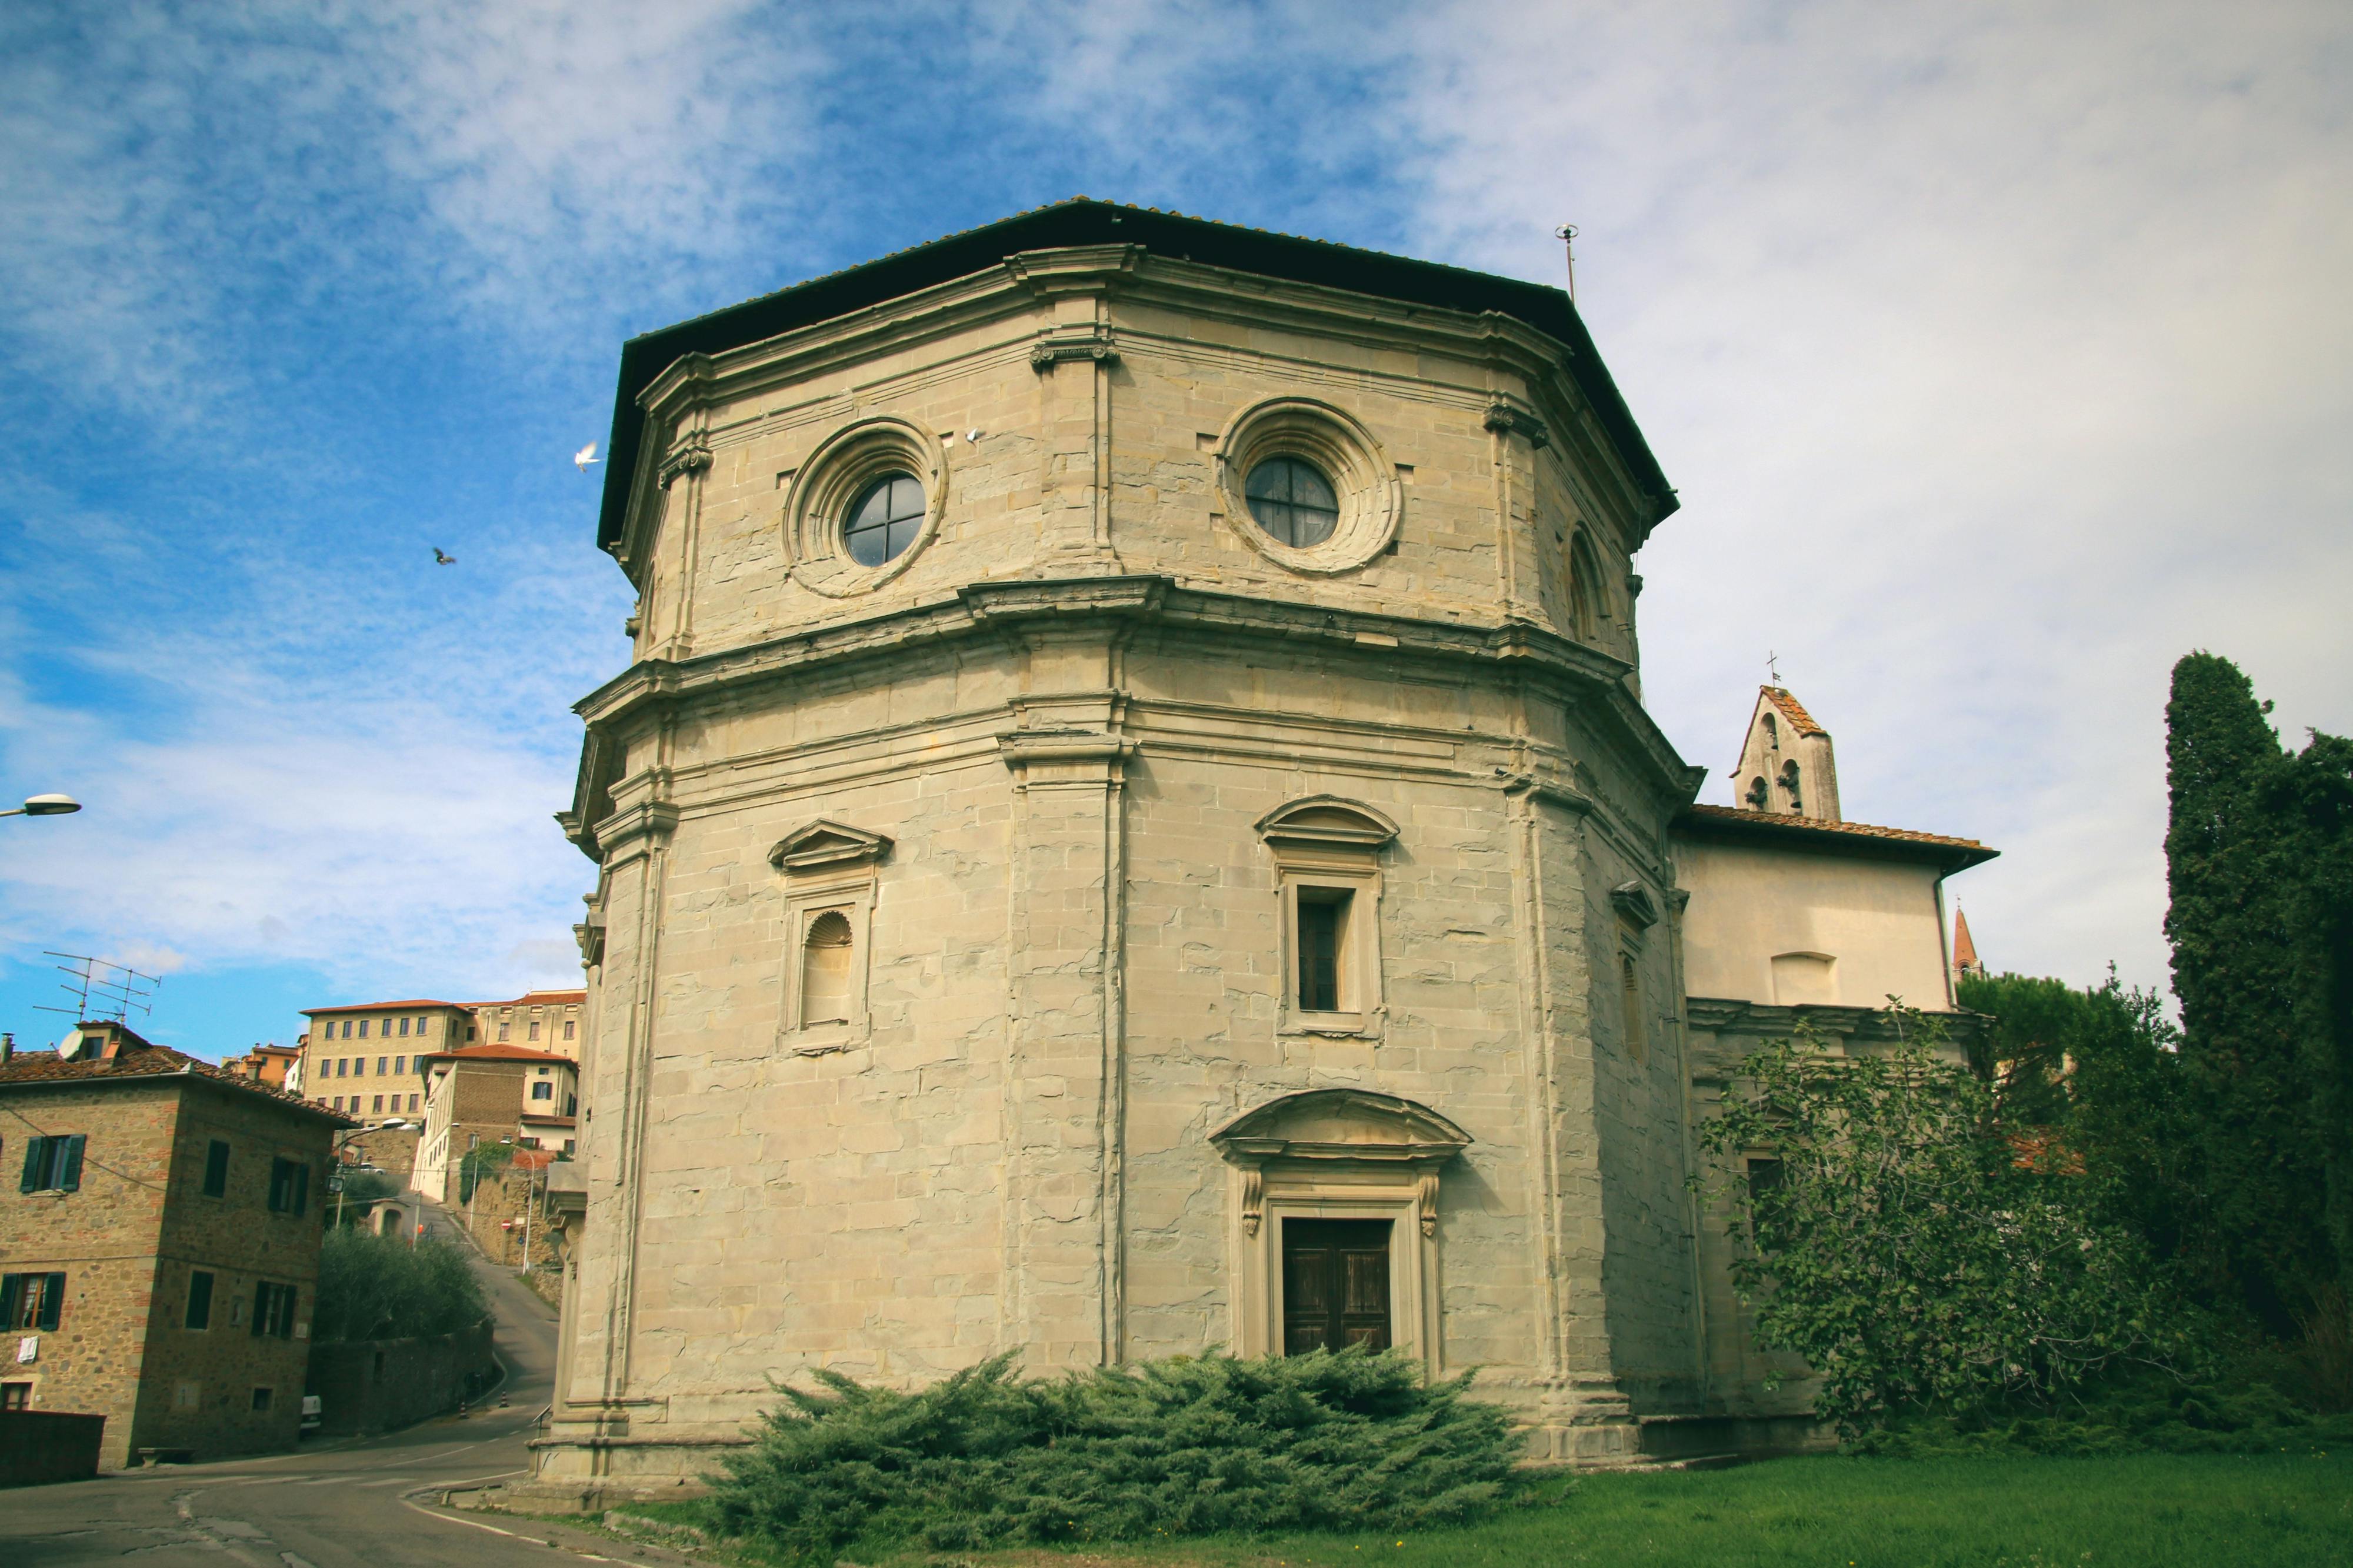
(159, 1256)
(482, 1093)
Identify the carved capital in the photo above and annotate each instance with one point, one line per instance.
(1086, 343)
(1507, 416)
(690, 455)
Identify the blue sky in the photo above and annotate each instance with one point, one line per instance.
(1998, 353)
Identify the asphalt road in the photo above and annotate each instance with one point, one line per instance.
(348, 1502)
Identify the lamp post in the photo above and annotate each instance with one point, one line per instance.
(45, 806)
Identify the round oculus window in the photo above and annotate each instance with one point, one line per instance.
(885, 519)
(1293, 502)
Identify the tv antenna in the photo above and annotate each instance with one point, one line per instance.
(103, 989)
(1567, 234)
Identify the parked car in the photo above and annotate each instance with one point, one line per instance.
(311, 1414)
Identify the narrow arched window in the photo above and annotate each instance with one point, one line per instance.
(1790, 782)
(825, 970)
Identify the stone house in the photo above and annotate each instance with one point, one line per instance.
(365, 1059)
(543, 1020)
(267, 1065)
(1130, 827)
(159, 1254)
(481, 1094)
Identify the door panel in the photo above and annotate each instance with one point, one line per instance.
(1336, 1284)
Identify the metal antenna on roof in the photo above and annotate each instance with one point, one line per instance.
(117, 989)
(1567, 234)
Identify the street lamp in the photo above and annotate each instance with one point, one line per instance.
(45, 806)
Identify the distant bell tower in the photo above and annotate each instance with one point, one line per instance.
(1786, 763)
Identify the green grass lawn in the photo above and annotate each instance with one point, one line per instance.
(2160, 1509)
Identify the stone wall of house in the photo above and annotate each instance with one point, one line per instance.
(381, 1385)
(129, 1242)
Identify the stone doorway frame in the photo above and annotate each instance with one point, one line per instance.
(1337, 1153)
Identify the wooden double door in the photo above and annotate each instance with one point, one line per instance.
(1336, 1284)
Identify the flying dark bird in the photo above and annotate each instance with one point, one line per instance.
(442, 560)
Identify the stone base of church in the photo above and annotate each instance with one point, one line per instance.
(585, 1474)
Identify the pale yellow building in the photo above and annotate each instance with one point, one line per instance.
(542, 1020)
(1131, 828)
(365, 1059)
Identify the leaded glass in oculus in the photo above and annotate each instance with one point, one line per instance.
(1293, 502)
(884, 520)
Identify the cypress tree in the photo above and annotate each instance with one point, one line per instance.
(2258, 967)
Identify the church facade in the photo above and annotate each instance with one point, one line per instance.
(1131, 828)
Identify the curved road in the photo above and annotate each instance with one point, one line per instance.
(342, 1504)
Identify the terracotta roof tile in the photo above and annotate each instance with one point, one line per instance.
(1793, 711)
(538, 999)
(1968, 851)
(495, 1053)
(142, 1061)
(375, 1006)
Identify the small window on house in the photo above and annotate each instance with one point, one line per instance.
(217, 1169)
(825, 970)
(535, 1030)
(364, 1024)
(342, 1067)
(1760, 794)
(16, 1397)
(412, 1102)
(399, 1064)
(379, 1066)
(261, 1399)
(404, 1028)
(502, 1031)
(378, 1105)
(347, 1028)
(470, 1034)
(273, 1312)
(568, 1027)
(289, 1183)
(1764, 1178)
(30, 1301)
(543, 1091)
(1323, 933)
(200, 1300)
(53, 1163)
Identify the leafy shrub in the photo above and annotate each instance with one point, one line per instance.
(1911, 1252)
(381, 1288)
(361, 1188)
(2150, 1411)
(1176, 1448)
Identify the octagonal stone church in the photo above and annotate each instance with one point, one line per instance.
(1131, 828)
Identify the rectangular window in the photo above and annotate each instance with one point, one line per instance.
(30, 1301)
(289, 1184)
(347, 1028)
(379, 1066)
(16, 1397)
(470, 1034)
(412, 1102)
(1630, 997)
(336, 1103)
(379, 1102)
(273, 1312)
(359, 1067)
(420, 1025)
(404, 1028)
(217, 1170)
(261, 1399)
(1336, 1284)
(568, 1027)
(200, 1300)
(342, 1067)
(364, 1024)
(399, 1064)
(534, 1028)
(502, 1032)
(53, 1165)
(543, 1091)
(1323, 928)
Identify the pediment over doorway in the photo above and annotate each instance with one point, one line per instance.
(1327, 822)
(1340, 1124)
(824, 845)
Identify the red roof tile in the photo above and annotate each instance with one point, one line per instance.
(143, 1060)
(495, 1053)
(1966, 851)
(1792, 710)
(377, 1007)
(537, 999)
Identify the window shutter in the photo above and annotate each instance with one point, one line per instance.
(261, 1309)
(54, 1297)
(71, 1180)
(34, 1148)
(11, 1287)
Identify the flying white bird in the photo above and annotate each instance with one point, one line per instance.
(585, 456)
(442, 560)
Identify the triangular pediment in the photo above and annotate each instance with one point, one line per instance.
(1340, 1124)
(825, 844)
